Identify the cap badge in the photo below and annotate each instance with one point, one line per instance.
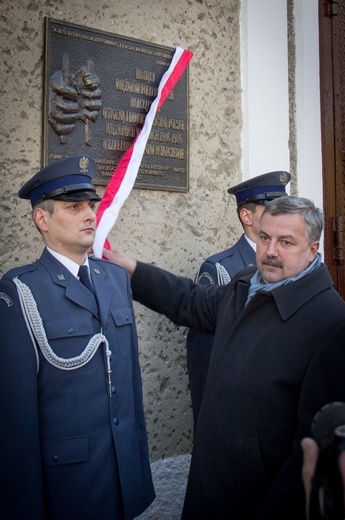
(283, 177)
(84, 164)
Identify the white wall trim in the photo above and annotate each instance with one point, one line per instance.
(265, 99)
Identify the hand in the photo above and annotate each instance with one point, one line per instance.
(117, 256)
(310, 458)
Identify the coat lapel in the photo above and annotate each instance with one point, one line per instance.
(74, 290)
(103, 290)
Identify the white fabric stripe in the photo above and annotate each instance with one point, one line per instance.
(110, 215)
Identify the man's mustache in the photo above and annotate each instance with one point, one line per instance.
(272, 261)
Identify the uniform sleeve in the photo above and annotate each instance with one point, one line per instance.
(207, 274)
(324, 383)
(21, 493)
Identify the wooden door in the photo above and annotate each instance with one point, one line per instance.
(332, 83)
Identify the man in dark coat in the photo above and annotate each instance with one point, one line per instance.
(73, 438)
(251, 197)
(271, 326)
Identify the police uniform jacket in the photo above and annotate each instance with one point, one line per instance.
(222, 267)
(264, 385)
(217, 269)
(71, 446)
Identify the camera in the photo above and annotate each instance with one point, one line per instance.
(328, 430)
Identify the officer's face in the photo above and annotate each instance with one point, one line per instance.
(282, 249)
(259, 208)
(70, 229)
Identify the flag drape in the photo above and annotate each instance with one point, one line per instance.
(125, 174)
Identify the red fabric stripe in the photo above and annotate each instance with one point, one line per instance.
(121, 169)
(182, 63)
(115, 182)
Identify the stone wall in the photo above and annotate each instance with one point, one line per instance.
(174, 230)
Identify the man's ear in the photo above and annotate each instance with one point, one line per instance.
(40, 218)
(246, 216)
(314, 247)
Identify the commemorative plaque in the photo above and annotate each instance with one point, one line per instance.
(98, 89)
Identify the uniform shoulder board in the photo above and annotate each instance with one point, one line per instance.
(101, 261)
(101, 265)
(16, 272)
(214, 259)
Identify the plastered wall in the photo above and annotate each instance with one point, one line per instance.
(173, 230)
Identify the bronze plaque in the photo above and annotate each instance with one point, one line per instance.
(98, 89)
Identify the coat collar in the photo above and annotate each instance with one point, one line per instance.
(74, 290)
(291, 297)
(246, 251)
(307, 288)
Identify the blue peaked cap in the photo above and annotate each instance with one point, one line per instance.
(262, 188)
(68, 179)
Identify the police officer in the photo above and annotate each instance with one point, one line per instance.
(251, 197)
(72, 439)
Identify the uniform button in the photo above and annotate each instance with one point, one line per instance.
(116, 421)
(55, 458)
(70, 331)
(113, 390)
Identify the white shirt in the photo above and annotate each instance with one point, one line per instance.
(73, 267)
(250, 242)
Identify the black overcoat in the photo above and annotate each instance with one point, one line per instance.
(264, 386)
(70, 446)
(233, 260)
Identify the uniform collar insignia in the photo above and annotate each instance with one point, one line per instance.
(60, 277)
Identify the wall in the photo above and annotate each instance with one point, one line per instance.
(174, 230)
(308, 118)
(281, 97)
(265, 87)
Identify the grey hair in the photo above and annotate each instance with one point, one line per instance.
(313, 216)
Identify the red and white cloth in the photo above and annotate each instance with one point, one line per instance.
(124, 176)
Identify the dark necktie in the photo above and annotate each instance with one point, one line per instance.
(83, 274)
